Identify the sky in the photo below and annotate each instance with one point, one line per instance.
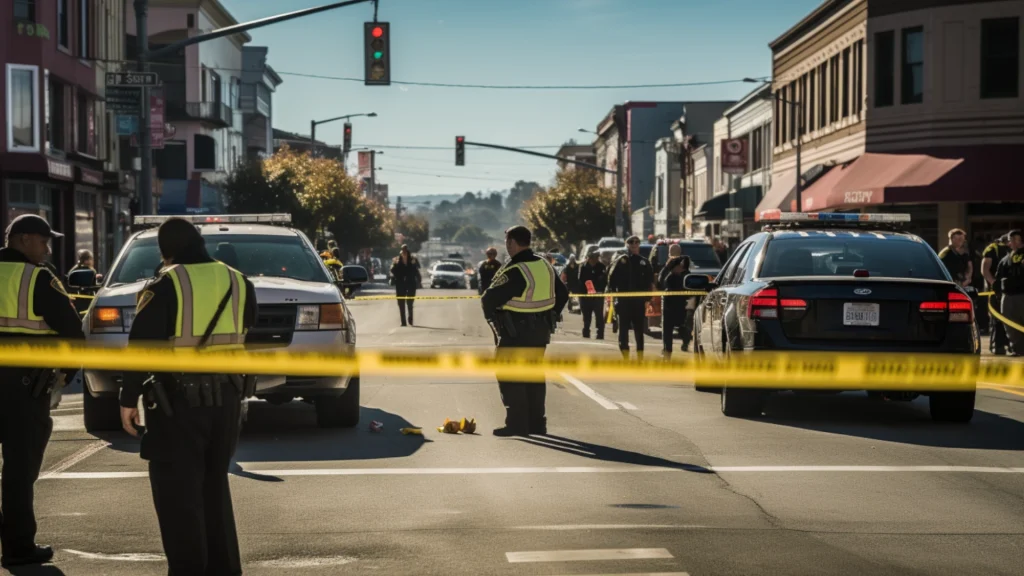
(505, 42)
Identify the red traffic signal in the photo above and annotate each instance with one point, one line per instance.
(347, 143)
(377, 32)
(460, 150)
(377, 53)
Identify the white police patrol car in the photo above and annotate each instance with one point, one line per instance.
(301, 308)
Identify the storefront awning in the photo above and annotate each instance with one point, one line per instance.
(745, 198)
(781, 196)
(878, 179)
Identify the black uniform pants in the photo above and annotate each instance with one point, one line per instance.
(672, 321)
(997, 330)
(404, 305)
(632, 315)
(593, 307)
(25, 428)
(189, 457)
(1013, 310)
(525, 401)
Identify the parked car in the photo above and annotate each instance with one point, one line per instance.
(448, 275)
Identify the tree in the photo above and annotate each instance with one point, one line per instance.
(574, 210)
(471, 235)
(447, 230)
(520, 193)
(415, 229)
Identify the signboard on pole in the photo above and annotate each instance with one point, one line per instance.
(364, 164)
(156, 121)
(133, 79)
(734, 156)
(127, 125)
(127, 101)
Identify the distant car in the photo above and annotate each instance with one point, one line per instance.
(301, 308)
(835, 283)
(448, 275)
(703, 259)
(611, 242)
(587, 249)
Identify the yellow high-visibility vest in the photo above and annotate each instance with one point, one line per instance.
(539, 294)
(17, 300)
(200, 288)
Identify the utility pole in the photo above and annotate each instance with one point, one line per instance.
(312, 138)
(398, 209)
(373, 174)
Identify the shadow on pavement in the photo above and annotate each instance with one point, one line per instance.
(903, 422)
(289, 433)
(607, 453)
(44, 570)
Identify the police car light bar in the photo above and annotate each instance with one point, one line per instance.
(217, 219)
(780, 216)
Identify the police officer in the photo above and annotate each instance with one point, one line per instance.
(192, 420)
(990, 259)
(594, 271)
(1010, 276)
(487, 269)
(521, 306)
(571, 277)
(631, 273)
(35, 305)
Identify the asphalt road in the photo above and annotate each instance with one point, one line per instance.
(632, 479)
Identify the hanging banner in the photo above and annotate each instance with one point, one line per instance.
(734, 156)
(364, 164)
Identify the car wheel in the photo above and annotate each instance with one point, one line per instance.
(102, 414)
(952, 406)
(339, 411)
(743, 402)
(698, 352)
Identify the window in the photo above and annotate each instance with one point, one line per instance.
(204, 152)
(235, 93)
(729, 275)
(822, 95)
(25, 10)
(841, 255)
(1000, 58)
(63, 36)
(22, 108)
(756, 149)
(55, 121)
(834, 90)
(86, 125)
(885, 69)
(912, 71)
(811, 118)
(83, 29)
(778, 114)
(844, 93)
(792, 110)
(858, 77)
(801, 126)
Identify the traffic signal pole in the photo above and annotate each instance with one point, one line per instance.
(145, 184)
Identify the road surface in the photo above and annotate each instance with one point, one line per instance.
(632, 479)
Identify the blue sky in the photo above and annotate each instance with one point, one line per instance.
(508, 42)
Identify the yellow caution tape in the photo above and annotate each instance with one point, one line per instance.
(595, 295)
(1001, 318)
(81, 297)
(782, 370)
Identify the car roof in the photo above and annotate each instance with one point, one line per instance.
(847, 233)
(229, 229)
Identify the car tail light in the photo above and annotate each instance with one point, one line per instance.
(764, 304)
(959, 306)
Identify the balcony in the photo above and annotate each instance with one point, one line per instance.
(215, 113)
(255, 99)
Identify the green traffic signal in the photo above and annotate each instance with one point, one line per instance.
(378, 55)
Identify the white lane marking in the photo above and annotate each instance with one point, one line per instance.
(561, 470)
(590, 393)
(643, 574)
(588, 555)
(129, 557)
(627, 406)
(68, 423)
(63, 410)
(76, 458)
(300, 562)
(570, 527)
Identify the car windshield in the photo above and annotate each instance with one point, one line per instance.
(252, 255)
(449, 268)
(841, 256)
(701, 255)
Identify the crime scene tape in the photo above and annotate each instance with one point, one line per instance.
(992, 310)
(773, 370)
(595, 295)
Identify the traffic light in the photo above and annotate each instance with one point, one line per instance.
(348, 138)
(377, 44)
(460, 150)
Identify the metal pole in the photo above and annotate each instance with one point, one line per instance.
(145, 184)
(312, 138)
(372, 192)
(799, 173)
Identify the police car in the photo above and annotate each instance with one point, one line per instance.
(837, 283)
(301, 308)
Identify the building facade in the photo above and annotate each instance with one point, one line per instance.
(259, 82)
(667, 196)
(577, 152)
(699, 185)
(202, 91)
(58, 158)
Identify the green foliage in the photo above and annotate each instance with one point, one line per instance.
(447, 230)
(575, 209)
(521, 192)
(415, 229)
(471, 235)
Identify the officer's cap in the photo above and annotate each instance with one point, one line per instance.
(32, 224)
(633, 240)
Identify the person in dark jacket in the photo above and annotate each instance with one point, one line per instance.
(595, 272)
(487, 269)
(571, 278)
(674, 311)
(405, 275)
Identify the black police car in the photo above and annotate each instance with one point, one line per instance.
(834, 282)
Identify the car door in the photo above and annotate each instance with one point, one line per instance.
(718, 299)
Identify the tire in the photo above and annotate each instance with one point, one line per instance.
(743, 402)
(339, 411)
(102, 414)
(698, 352)
(952, 406)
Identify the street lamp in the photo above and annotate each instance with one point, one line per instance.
(314, 123)
(798, 109)
(585, 131)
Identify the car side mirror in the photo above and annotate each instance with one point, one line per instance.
(698, 282)
(354, 275)
(83, 279)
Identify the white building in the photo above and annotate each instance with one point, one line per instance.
(667, 199)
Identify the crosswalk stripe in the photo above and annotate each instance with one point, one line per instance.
(588, 555)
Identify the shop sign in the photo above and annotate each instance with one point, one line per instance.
(61, 170)
(33, 29)
(734, 156)
(91, 177)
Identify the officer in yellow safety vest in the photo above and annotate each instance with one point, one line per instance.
(192, 420)
(33, 305)
(521, 305)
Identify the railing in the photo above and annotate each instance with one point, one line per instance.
(215, 112)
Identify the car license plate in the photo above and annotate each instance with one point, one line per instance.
(860, 314)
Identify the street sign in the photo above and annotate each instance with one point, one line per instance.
(127, 125)
(133, 79)
(127, 101)
(734, 156)
(156, 121)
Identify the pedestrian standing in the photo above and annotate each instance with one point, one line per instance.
(35, 305)
(957, 258)
(990, 259)
(595, 272)
(674, 308)
(192, 420)
(521, 306)
(405, 274)
(571, 278)
(487, 269)
(631, 273)
(1010, 275)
